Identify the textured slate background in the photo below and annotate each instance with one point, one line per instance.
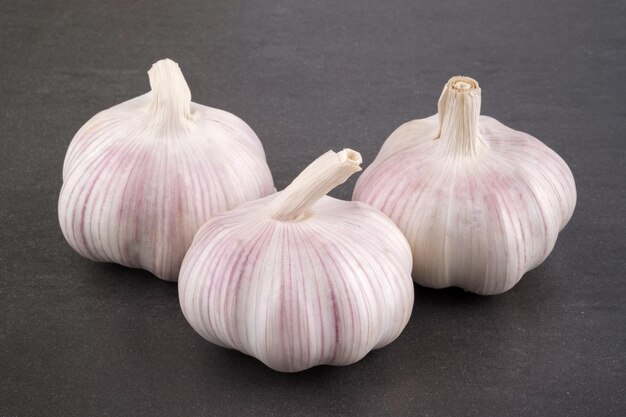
(84, 339)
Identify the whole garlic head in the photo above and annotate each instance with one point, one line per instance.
(300, 279)
(140, 178)
(480, 203)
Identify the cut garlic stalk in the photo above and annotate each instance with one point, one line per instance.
(140, 178)
(479, 203)
(300, 279)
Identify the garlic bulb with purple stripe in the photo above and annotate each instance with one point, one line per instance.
(140, 178)
(300, 279)
(480, 203)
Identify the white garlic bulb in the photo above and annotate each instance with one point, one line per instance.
(140, 178)
(300, 279)
(479, 203)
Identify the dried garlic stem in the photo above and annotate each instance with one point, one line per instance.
(459, 110)
(325, 173)
(172, 98)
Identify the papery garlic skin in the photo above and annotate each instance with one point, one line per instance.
(140, 178)
(299, 279)
(480, 203)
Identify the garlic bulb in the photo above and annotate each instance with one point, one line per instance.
(140, 178)
(479, 203)
(300, 279)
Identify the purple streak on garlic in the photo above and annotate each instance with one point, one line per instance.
(300, 279)
(480, 203)
(140, 178)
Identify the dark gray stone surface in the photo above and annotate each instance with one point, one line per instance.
(84, 339)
